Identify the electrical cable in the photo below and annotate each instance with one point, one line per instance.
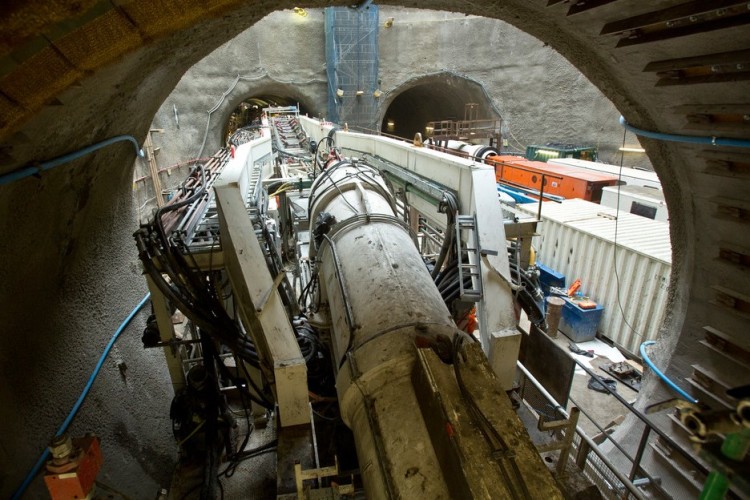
(644, 356)
(64, 427)
(691, 139)
(614, 245)
(244, 455)
(37, 169)
(661, 375)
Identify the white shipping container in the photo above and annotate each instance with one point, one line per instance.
(644, 201)
(577, 239)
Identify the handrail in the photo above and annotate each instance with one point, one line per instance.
(643, 418)
(589, 442)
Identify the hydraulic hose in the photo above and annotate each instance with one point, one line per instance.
(661, 375)
(36, 169)
(692, 139)
(64, 427)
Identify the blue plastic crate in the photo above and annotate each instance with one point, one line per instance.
(549, 277)
(580, 325)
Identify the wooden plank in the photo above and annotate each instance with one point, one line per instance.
(166, 333)
(693, 8)
(726, 164)
(584, 5)
(708, 397)
(734, 254)
(717, 384)
(693, 29)
(713, 154)
(718, 338)
(700, 79)
(734, 301)
(281, 358)
(732, 209)
(724, 129)
(713, 109)
(719, 58)
(679, 468)
(153, 169)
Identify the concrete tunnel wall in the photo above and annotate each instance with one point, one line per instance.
(432, 56)
(70, 272)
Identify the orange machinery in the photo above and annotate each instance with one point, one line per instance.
(558, 179)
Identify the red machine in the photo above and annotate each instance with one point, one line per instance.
(75, 463)
(558, 179)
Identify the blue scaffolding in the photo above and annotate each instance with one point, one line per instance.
(352, 65)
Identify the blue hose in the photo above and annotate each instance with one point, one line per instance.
(661, 375)
(36, 169)
(692, 139)
(35, 470)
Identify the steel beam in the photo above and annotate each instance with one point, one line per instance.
(262, 312)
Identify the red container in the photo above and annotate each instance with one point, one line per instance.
(558, 179)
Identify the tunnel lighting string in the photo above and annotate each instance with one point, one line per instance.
(64, 427)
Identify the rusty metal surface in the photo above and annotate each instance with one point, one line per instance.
(552, 366)
(496, 462)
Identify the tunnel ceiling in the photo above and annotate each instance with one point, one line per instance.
(433, 98)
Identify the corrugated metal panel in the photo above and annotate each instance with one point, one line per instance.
(577, 239)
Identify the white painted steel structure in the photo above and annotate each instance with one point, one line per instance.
(240, 168)
(577, 238)
(475, 186)
(630, 176)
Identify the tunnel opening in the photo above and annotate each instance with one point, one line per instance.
(435, 98)
(458, 114)
(249, 111)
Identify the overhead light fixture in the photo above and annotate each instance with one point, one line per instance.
(360, 92)
(388, 22)
(390, 125)
(630, 149)
(340, 92)
(377, 94)
(300, 11)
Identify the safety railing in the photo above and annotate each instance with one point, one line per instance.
(614, 480)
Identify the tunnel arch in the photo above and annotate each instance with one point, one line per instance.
(435, 97)
(107, 85)
(250, 109)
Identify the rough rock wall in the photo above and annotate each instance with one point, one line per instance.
(540, 95)
(70, 274)
(123, 97)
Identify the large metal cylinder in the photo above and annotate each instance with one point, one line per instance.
(380, 297)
